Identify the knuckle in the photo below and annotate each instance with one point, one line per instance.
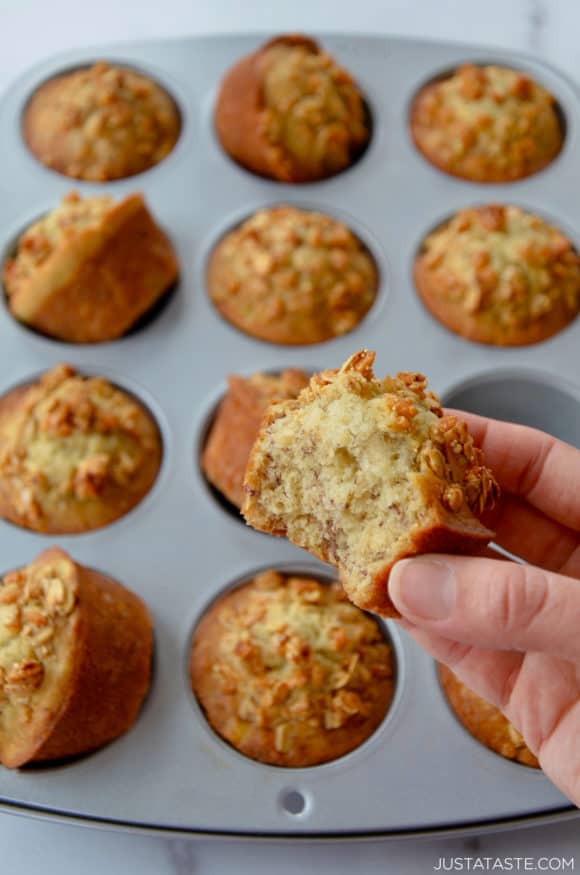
(517, 598)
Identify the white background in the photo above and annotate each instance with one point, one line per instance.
(33, 29)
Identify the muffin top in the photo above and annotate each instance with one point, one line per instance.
(37, 624)
(102, 122)
(35, 246)
(314, 114)
(487, 124)
(499, 275)
(292, 276)
(75, 452)
(484, 721)
(289, 672)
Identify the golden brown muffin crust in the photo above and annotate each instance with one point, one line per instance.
(289, 112)
(99, 123)
(498, 275)
(289, 672)
(76, 453)
(486, 124)
(236, 425)
(484, 721)
(292, 276)
(88, 270)
(75, 659)
(362, 472)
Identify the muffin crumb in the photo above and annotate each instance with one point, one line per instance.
(362, 472)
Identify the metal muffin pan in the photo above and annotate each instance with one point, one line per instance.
(420, 772)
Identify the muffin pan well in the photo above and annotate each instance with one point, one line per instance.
(178, 550)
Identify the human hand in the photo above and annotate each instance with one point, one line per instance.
(511, 632)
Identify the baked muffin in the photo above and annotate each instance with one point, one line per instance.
(292, 276)
(90, 269)
(76, 453)
(486, 124)
(498, 275)
(75, 659)
(289, 112)
(289, 673)
(363, 472)
(236, 425)
(101, 122)
(484, 721)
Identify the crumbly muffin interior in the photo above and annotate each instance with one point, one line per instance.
(504, 266)
(290, 672)
(36, 606)
(73, 215)
(355, 466)
(289, 274)
(314, 111)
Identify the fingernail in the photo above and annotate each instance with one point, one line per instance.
(423, 588)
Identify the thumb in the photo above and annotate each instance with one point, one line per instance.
(490, 603)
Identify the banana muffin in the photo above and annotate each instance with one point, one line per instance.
(100, 123)
(76, 453)
(90, 269)
(498, 275)
(289, 112)
(75, 660)
(292, 276)
(236, 425)
(484, 721)
(362, 472)
(290, 673)
(486, 124)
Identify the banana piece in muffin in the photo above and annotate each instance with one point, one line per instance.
(484, 721)
(292, 276)
(76, 453)
(75, 659)
(362, 472)
(90, 269)
(236, 425)
(289, 112)
(499, 275)
(486, 124)
(290, 673)
(100, 123)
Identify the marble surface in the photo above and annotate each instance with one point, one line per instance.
(32, 29)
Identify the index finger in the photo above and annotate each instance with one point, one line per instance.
(527, 462)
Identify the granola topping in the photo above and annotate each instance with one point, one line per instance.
(73, 437)
(314, 115)
(293, 656)
(35, 604)
(488, 124)
(505, 268)
(42, 238)
(102, 122)
(293, 276)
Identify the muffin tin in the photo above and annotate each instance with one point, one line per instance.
(420, 772)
